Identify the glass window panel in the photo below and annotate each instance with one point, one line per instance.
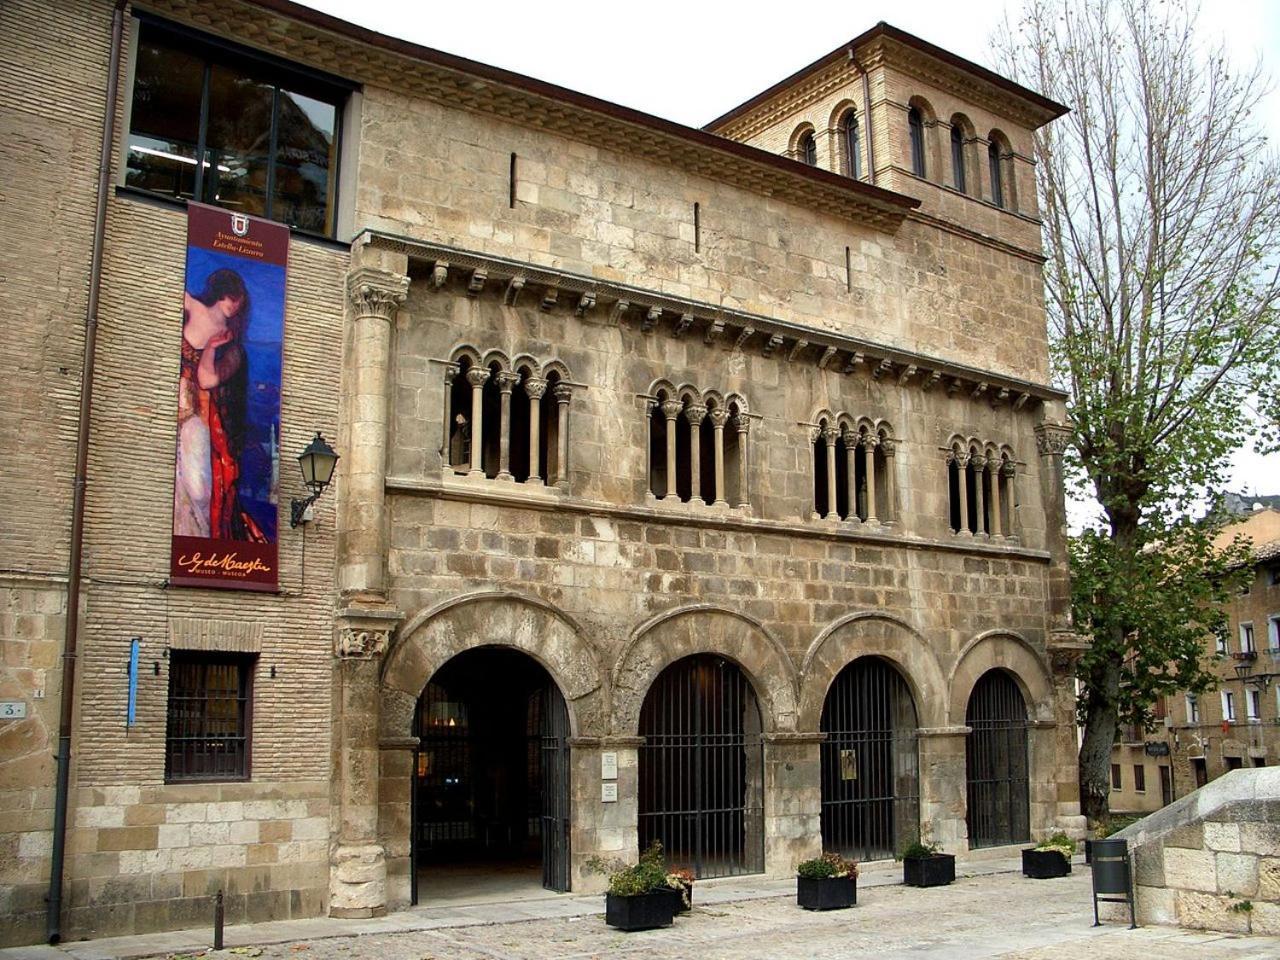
(238, 141)
(305, 162)
(164, 120)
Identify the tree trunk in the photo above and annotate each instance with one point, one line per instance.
(1095, 750)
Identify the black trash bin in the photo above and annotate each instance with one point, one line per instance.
(1112, 877)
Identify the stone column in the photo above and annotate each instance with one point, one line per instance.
(829, 436)
(793, 800)
(694, 413)
(869, 468)
(1052, 440)
(563, 393)
(358, 869)
(851, 439)
(375, 289)
(889, 448)
(450, 372)
(979, 470)
(476, 376)
(719, 417)
(743, 425)
(671, 410)
(506, 381)
(997, 522)
(535, 387)
(943, 780)
(962, 461)
(1010, 471)
(599, 829)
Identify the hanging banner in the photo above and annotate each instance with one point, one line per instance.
(226, 472)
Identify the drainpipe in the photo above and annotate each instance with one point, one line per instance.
(866, 115)
(53, 918)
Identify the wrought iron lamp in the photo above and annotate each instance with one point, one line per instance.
(317, 461)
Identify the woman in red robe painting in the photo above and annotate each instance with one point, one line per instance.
(211, 412)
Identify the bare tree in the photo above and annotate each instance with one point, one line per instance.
(1161, 211)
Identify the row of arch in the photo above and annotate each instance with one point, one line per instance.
(697, 445)
(981, 487)
(845, 136)
(852, 476)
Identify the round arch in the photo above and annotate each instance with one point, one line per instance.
(1008, 651)
(871, 633)
(702, 628)
(435, 636)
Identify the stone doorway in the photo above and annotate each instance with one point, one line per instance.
(490, 791)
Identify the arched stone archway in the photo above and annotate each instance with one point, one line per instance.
(871, 633)
(1008, 651)
(700, 628)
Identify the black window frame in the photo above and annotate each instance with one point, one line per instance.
(915, 127)
(957, 158)
(995, 163)
(1117, 777)
(1139, 778)
(246, 665)
(852, 145)
(268, 69)
(807, 148)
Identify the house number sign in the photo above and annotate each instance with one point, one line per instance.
(13, 709)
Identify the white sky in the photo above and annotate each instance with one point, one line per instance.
(690, 61)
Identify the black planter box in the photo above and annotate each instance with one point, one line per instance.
(827, 893)
(679, 897)
(643, 911)
(935, 871)
(1044, 864)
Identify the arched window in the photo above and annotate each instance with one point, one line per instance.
(915, 124)
(697, 448)
(957, 157)
(852, 148)
(981, 491)
(993, 163)
(852, 478)
(807, 149)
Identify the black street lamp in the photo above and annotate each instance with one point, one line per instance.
(317, 461)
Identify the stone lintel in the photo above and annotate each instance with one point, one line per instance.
(957, 730)
(789, 737)
(398, 743)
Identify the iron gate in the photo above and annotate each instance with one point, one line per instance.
(553, 743)
(870, 763)
(701, 776)
(996, 762)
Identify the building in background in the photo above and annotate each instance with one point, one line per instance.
(695, 485)
(1199, 737)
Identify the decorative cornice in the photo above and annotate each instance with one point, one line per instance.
(739, 329)
(789, 102)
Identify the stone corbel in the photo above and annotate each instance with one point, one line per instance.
(376, 293)
(364, 633)
(883, 369)
(978, 391)
(827, 355)
(1066, 647)
(550, 297)
(744, 335)
(439, 274)
(1021, 402)
(715, 330)
(772, 344)
(682, 325)
(475, 283)
(930, 381)
(796, 349)
(905, 376)
(954, 387)
(855, 360)
(1000, 397)
(586, 302)
(514, 286)
(651, 318)
(619, 312)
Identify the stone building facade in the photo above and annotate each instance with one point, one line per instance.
(1200, 737)
(631, 416)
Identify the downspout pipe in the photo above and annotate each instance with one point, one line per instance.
(53, 917)
(866, 116)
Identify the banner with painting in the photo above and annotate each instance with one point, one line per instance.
(226, 473)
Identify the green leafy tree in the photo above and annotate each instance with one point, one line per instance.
(1161, 213)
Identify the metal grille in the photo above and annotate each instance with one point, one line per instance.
(996, 762)
(445, 812)
(701, 776)
(870, 763)
(553, 742)
(207, 734)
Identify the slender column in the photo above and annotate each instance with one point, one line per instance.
(1011, 474)
(962, 461)
(719, 417)
(671, 409)
(851, 469)
(869, 468)
(744, 426)
(997, 522)
(889, 448)
(535, 387)
(563, 392)
(829, 436)
(979, 471)
(506, 381)
(694, 413)
(450, 372)
(476, 377)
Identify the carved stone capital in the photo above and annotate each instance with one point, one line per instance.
(376, 293)
(476, 376)
(1052, 439)
(352, 643)
(671, 408)
(888, 447)
(962, 460)
(830, 435)
(871, 441)
(694, 413)
(506, 380)
(1008, 469)
(719, 417)
(1066, 647)
(562, 392)
(743, 424)
(535, 387)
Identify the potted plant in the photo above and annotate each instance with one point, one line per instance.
(638, 897)
(828, 882)
(925, 865)
(1049, 858)
(680, 886)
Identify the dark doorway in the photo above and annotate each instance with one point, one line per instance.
(1166, 785)
(870, 763)
(996, 761)
(491, 774)
(1199, 771)
(701, 777)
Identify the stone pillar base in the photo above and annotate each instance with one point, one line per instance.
(358, 882)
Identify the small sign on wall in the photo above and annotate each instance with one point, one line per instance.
(608, 766)
(13, 709)
(609, 792)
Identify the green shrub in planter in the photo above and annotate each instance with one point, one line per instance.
(828, 882)
(639, 897)
(1050, 858)
(925, 865)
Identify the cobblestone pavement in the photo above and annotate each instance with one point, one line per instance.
(1002, 916)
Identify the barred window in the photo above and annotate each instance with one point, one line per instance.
(207, 735)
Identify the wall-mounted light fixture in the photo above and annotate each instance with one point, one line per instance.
(318, 461)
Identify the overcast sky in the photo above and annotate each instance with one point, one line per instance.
(691, 61)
